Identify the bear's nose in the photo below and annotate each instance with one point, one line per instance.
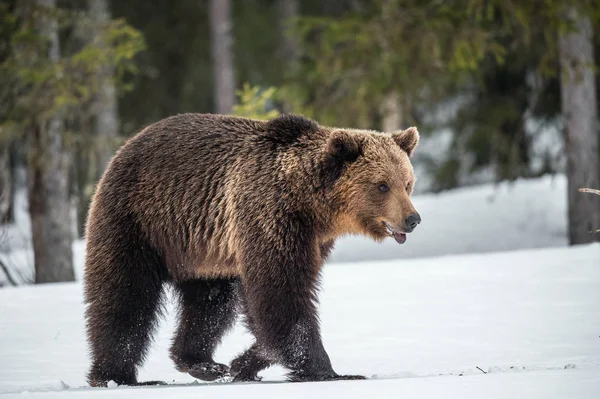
(412, 221)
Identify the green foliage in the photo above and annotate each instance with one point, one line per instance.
(499, 55)
(256, 103)
(521, 85)
(353, 55)
(35, 87)
(353, 61)
(256, 41)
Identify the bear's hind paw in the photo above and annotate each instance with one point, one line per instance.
(208, 371)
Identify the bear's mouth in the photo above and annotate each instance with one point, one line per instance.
(399, 236)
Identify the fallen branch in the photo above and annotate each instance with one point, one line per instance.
(589, 190)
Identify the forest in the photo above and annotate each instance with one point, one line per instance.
(500, 90)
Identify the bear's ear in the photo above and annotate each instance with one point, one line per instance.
(344, 146)
(407, 139)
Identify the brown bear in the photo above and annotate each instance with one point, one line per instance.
(238, 216)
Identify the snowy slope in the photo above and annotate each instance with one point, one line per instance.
(530, 319)
(530, 213)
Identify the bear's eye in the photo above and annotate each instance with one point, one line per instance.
(407, 186)
(384, 188)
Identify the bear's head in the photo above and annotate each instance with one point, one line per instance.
(374, 182)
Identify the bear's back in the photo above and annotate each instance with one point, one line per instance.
(183, 177)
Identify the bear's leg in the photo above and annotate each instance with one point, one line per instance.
(123, 287)
(247, 365)
(285, 325)
(207, 311)
(280, 283)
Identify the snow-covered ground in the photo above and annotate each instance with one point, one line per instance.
(520, 324)
(484, 300)
(529, 213)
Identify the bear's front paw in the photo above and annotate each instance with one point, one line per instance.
(208, 371)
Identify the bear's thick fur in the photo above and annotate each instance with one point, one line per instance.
(237, 215)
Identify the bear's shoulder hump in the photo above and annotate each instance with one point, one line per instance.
(288, 128)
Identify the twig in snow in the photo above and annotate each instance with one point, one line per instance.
(480, 369)
(9, 276)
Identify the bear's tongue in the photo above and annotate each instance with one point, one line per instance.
(399, 237)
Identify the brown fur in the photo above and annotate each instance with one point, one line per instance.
(234, 212)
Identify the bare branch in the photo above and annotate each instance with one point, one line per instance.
(9, 276)
(589, 190)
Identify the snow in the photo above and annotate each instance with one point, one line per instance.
(580, 385)
(422, 328)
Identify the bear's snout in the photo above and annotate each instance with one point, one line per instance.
(411, 222)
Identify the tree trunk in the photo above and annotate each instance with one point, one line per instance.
(49, 204)
(106, 124)
(222, 57)
(289, 48)
(391, 112)
(579, 108)
(6, 189)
